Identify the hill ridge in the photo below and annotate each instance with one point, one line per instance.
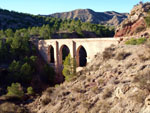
(88, 15)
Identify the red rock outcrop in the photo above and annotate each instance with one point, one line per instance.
(132, 29)
(135, 22)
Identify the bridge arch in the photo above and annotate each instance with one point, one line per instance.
(81, 56)
(51, 54)
(64, 51)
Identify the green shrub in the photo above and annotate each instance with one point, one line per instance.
(141, 40)
(19, 72)
(14, 69)
(33, 58)
(57, 85)
(26, 73)
(15, 90)
(69, 70)
(134, 41)
(30, 91)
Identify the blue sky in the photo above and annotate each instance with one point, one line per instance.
(53, 6)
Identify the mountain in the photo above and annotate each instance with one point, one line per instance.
(137, 22)
(57, 28)
(88, 15)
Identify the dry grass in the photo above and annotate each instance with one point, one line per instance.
(86, 104)
(146, 53)
(144, 57)
(108, 53)
(122, 55)
(128, 65)
(140, 96)
(96, 89)
(101, 81)
(89, 79)
(139, 29)
(49, 90)
(46, 101)
(107, 66)
(83, 77)
(103, 106)
(79, 90)
(143, 79)
(11, 108)
(107, 93)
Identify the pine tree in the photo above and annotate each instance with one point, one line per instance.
(69, 70)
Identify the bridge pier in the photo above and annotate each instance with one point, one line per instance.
(56, 56)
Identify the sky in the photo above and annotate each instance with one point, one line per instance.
(45, 7)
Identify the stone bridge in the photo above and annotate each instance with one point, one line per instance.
(54, 51)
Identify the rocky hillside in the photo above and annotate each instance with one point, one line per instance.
(88, 15)
(116, 81)
(135, 23)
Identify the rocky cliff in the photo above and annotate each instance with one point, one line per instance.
(88, 15)
(135, 23)
(116, 81)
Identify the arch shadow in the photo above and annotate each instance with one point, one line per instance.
(81, 56)
(64, 52)
(51, 54)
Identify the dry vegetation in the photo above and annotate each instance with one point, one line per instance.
(119, 84)
(11, 108)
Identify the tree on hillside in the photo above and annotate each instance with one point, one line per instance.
(45, 32)
(9, 33)
(26, 72)
(79, 31)
(34, 31)
(69, 70)
(16, 43)
(2, 34)
(14, 69)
